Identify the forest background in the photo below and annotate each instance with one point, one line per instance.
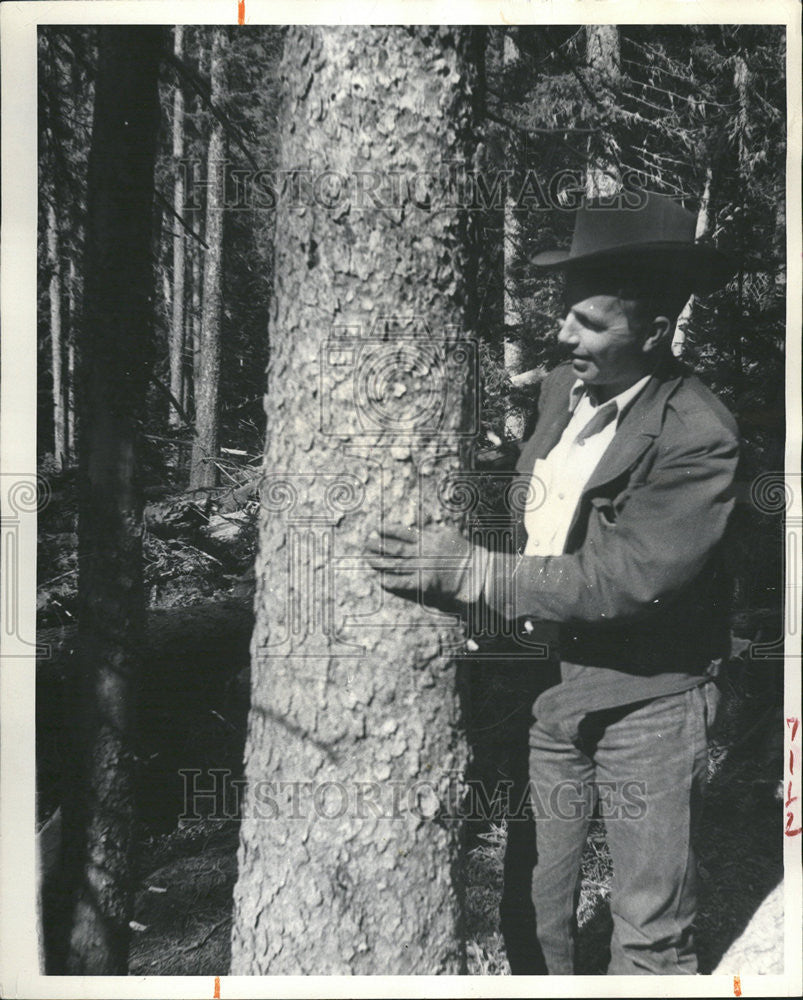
(697, 112)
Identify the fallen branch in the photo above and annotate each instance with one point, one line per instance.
(212, 930)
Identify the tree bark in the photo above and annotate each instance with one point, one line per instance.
(167, 293)
(56, 340)
(514, 423)
(196, 310)
(741, 81)
(203, 471)
(369, 304)
(604, 59)
(186, 360)
(72, 313)
(779, 242)
(196, 268)
(116, 348)
(177, 316)
(703, 222)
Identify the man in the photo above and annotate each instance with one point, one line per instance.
(636, 461)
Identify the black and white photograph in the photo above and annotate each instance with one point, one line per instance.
(401, 499)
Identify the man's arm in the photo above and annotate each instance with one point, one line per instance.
(628, 568)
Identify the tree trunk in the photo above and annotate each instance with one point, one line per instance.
(603, 57)
(116, 349)
(196, 269)
(354, 728)
(203, 471)
(186, 360)
(72, 313)
(703, 222)
(514, 423)
(779, 240)
(177, 317)
(167, 293)
(196, 309)
(56, 341)
(741, 81)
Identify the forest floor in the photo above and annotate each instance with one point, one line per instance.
(182, 920)
(183, 903)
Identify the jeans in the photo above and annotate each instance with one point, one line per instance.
(643, 766)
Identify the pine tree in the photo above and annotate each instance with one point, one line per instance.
(116, 348)
(387, 286)
(603, 55)
(176, 340)
(203, 470)
(56, 339)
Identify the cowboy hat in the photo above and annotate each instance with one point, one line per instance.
(657, 236)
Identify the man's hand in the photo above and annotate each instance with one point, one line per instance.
(437, 562)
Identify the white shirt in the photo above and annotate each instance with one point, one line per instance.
(558, 480)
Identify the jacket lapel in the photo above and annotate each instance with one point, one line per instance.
(552, 421)
(641, 423)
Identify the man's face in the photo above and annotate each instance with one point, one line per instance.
(604, 351)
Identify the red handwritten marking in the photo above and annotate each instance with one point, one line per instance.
(241, 11)
(792, 814)
(216, 994)
(737, 986)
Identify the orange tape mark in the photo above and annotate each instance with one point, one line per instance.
(216, 994)
(241, 11)
(737, 986)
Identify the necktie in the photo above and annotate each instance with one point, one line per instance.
(604, 415)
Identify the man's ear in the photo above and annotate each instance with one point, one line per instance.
(660, 334)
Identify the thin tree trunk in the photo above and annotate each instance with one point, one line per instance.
(204, 54)
(203, 471)
(116, 349)
(514, 422)
(779, 241)
(703, 222)
(197, 301)
(186, 358)
(72, 312)
(603, 57)
(741, 81)
(56, 341)
(167, 296)
(177, 318)
(366, 325)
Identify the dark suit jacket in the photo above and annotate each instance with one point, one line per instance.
(639, 591)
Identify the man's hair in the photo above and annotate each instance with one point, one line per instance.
(641, 304)
(643, 292)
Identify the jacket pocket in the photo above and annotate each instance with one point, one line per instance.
(604, 508)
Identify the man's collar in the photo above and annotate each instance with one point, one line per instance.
(619, 402)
